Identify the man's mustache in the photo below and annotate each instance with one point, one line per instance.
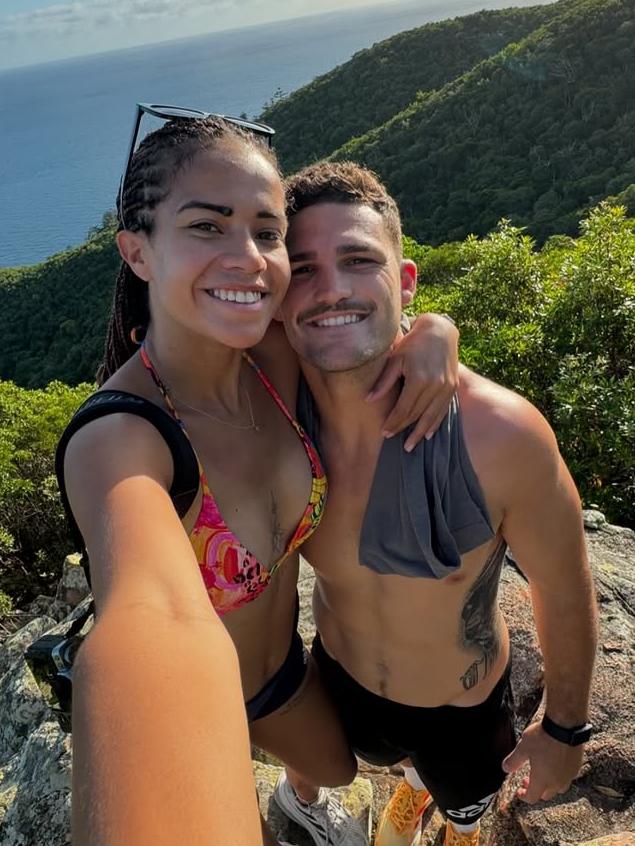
(342, 305)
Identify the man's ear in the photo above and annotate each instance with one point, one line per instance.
(133, 249)
(408, 281)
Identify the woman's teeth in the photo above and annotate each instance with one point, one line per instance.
(233, 296)
(339, 321)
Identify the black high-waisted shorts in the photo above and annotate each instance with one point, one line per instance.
(284, 682)
(456, 751)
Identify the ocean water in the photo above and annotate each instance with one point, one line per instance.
(64, 126)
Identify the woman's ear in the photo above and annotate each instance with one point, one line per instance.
(408, 281)
(133, 249)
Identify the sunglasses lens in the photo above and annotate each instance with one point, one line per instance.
(257, 128)
(175, 112)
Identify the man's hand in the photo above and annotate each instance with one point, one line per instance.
(553, 765)
(427, 358)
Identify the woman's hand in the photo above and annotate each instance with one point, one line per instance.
(427, 359)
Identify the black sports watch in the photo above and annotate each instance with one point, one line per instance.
(571, 736)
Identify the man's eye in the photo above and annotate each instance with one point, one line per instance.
(359, 260)
(301, 271)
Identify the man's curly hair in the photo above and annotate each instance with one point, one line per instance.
(343, 182)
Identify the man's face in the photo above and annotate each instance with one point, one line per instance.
(347, 288)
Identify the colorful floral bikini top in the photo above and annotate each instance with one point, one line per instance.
(233, 576)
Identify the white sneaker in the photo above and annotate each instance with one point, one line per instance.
(326, 820)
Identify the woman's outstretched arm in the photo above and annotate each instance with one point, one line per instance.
(160, 742)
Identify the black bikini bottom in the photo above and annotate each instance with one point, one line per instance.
(284, 682)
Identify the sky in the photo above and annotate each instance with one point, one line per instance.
(33, 31)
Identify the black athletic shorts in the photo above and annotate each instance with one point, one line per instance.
(284, 682)
(456, 751)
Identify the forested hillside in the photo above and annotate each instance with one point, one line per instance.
(53, 315)
(538, 132)
(382, 80)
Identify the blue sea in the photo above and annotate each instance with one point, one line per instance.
(64, 126)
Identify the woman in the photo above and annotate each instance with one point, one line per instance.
(205, 270)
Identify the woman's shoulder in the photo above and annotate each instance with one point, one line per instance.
(121, 426)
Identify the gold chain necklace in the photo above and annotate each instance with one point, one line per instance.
(171, 396)
(251, 425)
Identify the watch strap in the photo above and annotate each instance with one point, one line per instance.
(571, 736)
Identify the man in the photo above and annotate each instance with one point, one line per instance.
(411, 643)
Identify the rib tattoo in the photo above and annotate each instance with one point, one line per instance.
(478, 618)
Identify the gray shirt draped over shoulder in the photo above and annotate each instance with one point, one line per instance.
(426, 508)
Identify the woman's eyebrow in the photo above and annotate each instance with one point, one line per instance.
(201, 204)
(272, 215)
(226, 211)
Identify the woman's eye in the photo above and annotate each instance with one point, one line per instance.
(204, 226)
(271, 235)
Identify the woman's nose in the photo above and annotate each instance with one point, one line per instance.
(244, 254)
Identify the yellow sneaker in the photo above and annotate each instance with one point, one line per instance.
(459, 838)
(400, 819)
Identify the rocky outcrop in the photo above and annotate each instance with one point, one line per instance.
(598, 810)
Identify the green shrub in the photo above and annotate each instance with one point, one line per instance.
(594, 416)
(33, 533)
(558, 326)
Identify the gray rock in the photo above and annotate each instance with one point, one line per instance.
(600, 802)
(72, 587)
(13, 648)
(593, 519)
(23, 709)
(50, 607)
(37, 785)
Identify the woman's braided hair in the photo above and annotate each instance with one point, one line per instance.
(153, 168)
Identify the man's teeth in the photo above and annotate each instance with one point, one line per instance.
(237, 296)
(339, 321)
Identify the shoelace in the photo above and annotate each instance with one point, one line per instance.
(338, 821)
(457, 838)
(404, 809)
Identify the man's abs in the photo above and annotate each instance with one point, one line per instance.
(422, 642)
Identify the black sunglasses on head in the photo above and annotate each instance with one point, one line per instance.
(172, 112)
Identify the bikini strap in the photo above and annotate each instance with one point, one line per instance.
(145, 358)
(272, 391)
